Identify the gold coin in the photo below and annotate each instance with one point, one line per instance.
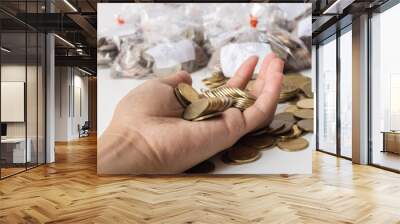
(293, 145)
(225, 159)
(291, 108)
(286, 116)
(196, 109)
(294, 133)
(304, 113)
(187, 92)
(283, 97)
(295, 79)
(293, 100)
(275, 126)
(288, 127)
(306, 104)
(180, 99)
(306, 88)
(208, 116)
(306, 125)
(262, 141)
(257, 132)
(288, 89)
(243, 154)
(242, 103)
(301, 96)
(203, 167)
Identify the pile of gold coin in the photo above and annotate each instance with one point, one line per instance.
(286, 130)
(210, 103)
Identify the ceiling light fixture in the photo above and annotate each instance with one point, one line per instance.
(64, 40)
(70, 5)
(84, 71)
(5, 50)
(337, 7)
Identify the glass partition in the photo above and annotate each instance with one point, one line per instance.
(327, 96)
(22, 77)
(14, 145)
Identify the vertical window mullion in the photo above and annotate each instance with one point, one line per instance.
(338, 74)
(317, 96)
(26, 87)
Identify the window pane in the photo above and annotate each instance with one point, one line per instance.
(346, 94)
(385, 84)
(327, 97)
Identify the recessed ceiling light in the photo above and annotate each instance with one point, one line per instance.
(64, 40)
(70, 5)
(338, 6)
(84, 71)
(5, 50)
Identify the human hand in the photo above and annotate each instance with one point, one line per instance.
(148, 136)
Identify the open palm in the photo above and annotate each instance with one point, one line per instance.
(148, 136)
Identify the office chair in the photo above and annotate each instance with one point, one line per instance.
(84, 130)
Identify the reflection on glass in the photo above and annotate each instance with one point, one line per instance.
(346, 94)
(385, 84)
(327, 97)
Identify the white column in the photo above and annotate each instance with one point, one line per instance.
(360, 90)
(50, 99)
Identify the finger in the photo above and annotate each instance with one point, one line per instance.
(262, 111)
(175, 79)
(244, 73)
(264, 66)
(259, 84)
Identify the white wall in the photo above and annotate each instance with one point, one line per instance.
(12, 73)
(69, 82)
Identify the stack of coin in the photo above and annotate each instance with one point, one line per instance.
(205, 108)
(285, 131)
(241, 99)
(228, 91)
(216, 80)
(212, 102)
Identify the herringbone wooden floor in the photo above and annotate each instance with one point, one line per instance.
(70, 192)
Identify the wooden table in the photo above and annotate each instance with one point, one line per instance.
(14, 152)
(391, 141)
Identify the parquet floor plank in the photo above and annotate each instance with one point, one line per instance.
(69, 191)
